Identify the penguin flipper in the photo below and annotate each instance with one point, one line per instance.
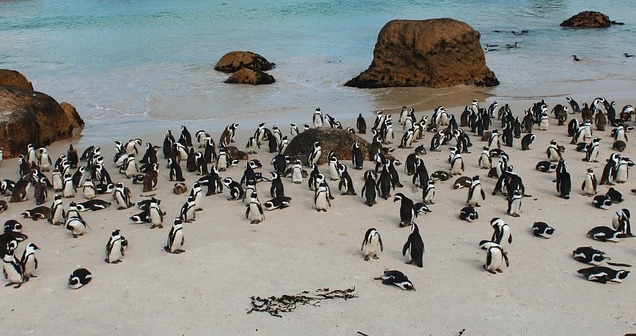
(406, 248)
(380, 241)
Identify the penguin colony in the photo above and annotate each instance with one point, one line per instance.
(81, 184)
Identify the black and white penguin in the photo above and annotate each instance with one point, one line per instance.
(132, 145)
(553, 152)
(622, 170)
(254, 211)
(29, 261)
(277, 203)
(541, 229)
(475, 193)
(321, 198)
(527, 140)
(57, 213)
(314, 155)
(114, 248)
(74, 222)
(122, 196)
(495, 258)
(93, 205)
(187, 212)
(3, 206)
(384, 183)
(420, 177)
(415, 246)
(175, 239)
(468, 214)
(545, 166)
(602, 202)
(372, 244)
(357, 158)
(428, 194)
(370, 190)
(457, 165)
(605, 234)
(592, 151)
(396, 278)
(440, 175)
(276, 189)
(501, 231)
(346, 182)
(603, 274)
(589, 255)
(235, 189)
(590, 183)
(407, 213)
(514, 203)
(68, 189)
(44, 160)
(12, 269)
(88, 189)
(79, 278)
(175, 171)
(317, 118)
(39, 212)
(621, 222)
(155, 214)
(6, 187)
(563, 180)
(361, 124)
(609, 171)
(485, 161)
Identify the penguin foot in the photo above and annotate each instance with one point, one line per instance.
(17, 286)
(499, 271)
(9, 284)
(376, 257)
(366, 258)
(179, 251)
(32, 276)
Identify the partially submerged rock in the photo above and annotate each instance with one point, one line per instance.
(434, 53)
(587, 19)
(249, 76)
(237, 60)
(338, 140)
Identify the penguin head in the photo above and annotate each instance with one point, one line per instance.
(31, 247)
(115, 233)
(622, 274)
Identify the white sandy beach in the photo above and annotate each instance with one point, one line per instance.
(207, 289)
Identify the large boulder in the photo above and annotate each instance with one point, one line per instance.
(434, 53)
(14, 78)
(588, 19)
(236, 60)
(331, 139)
(31, 117)
(249, 76)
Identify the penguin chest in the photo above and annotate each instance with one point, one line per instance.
(255, 212)
(176, 240)
(321, 201)
(89, 192)
(622, 173)
(297, 176)
(12, 271)
(30, 264)
(156, 217)
(114, 253)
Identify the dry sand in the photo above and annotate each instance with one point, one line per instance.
(207, 289)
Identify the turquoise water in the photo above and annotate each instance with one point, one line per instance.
(153, 60)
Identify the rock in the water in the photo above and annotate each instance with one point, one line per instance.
(14, 78)
(236, 60)
(249, 76)
(32, 117)
(434, 53)
(588, 19)
(331, 139)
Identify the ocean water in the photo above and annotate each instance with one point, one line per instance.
(148, 63)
